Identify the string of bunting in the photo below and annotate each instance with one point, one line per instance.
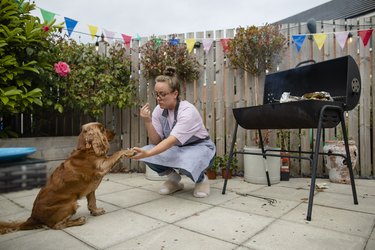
(319, 38)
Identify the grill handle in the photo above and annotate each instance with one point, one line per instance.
(304, 62)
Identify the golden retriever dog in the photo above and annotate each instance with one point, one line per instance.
(76, 177)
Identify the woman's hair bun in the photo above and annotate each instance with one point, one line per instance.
(170, 71)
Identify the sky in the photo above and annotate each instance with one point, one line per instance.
(164, 17)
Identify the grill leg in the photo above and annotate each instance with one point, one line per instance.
(348, 158)
(230, 157)
(314, 166)
(265, 164)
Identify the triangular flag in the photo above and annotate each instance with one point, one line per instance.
(157, 42)
(224, 44)
(341, 38)
(138, 37)
(127, 39)
(47, 16)
(298, 40)
(207, 42)
(365, 35)
(109, 35)
(173, 41)
(320, 39)
(93, 30)
(70, 24)
(190, 44)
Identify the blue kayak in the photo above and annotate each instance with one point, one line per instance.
(12, 154)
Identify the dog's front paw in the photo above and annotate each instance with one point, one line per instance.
(129, 153)
(97, 211)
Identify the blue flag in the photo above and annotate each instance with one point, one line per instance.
(298, 40)
(70, 24)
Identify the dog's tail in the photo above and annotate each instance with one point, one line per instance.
(13, 226)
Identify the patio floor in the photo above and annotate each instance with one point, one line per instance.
(244, 218)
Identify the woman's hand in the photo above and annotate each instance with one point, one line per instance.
(140, 153)
(145, 112)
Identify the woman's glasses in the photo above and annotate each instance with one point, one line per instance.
(161, 95)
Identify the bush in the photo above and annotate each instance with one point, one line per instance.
(158, 54)
(255, 49)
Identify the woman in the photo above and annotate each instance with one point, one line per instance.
(178, 138)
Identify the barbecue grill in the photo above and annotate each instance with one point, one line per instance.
(339, 77)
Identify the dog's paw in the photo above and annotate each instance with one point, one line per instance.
(97, 212)
(129, 153)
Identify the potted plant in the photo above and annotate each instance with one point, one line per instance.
(232, 168)
(211, 171)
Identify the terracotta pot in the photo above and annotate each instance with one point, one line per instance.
(211, 174)
(338, 169)
(223, 173)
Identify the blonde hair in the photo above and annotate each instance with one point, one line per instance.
(169, 76)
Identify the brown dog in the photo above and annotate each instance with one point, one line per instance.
(77, 177)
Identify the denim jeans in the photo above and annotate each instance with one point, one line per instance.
(163, 170)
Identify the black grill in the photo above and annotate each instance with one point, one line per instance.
(339, 77)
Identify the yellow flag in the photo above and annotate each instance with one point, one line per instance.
(320, 39)
(190, 44)
(93, 30)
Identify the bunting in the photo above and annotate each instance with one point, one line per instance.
(207, 44)
(365, 36)
(47, 15)
(341, 38)
(70, 24)
(173, 41)
(93, 30)
(109, 35)
(127, 40)
(298, 40)
(225, 44)
(190, 44)
(319, 39)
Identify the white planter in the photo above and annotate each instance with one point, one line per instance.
(254, 170)
(338, 169)
(153, 176)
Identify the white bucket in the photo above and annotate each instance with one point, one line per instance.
(254, 169)
(153, 176)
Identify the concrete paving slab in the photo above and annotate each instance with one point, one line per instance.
(289, 235)
(8, 207)
(370, 245)
(107, 186)
(343, 201)
(237, 184)
(251, 204)
(46, 239)
(113, 228)
(173, 237)
(129, 197)
(24, 193)
(355, 223)
(284, 193)
(226, 224)
(170, 209)
(215, 197)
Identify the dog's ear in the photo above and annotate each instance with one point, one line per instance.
(110, 134)
(81, 144)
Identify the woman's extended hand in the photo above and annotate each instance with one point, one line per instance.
(140, 153)
(145, 112)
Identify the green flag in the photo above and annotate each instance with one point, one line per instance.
(47, 16)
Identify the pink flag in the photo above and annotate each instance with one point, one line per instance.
(365, 35)
(109, 35)
(127, 40)
(207, 42)
(341, 38)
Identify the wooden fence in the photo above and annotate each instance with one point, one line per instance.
(221, 88)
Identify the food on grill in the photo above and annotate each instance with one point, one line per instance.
(322, 95)
(286, 97)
